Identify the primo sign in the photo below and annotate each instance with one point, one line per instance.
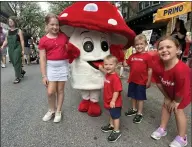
(173, 10)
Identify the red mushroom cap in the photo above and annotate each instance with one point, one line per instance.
(100, 16)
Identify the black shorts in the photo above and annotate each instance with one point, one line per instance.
(115, 112)
(137, 91)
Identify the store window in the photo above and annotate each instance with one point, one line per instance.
(155, 2)
(146, 4)
(140, 6)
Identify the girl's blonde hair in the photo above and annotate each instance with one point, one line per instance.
(108, 57)
(141, 37)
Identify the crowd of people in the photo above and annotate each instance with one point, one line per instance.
(171, 75)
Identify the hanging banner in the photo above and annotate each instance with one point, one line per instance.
(174, 10)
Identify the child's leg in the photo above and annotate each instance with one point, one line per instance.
(116, 123)
(51, 91)
(181, 138)
(139, 116)
(60, 95)
(111, 121)
(134, 104)
(181, 122)
(165, 116)
(160, 132)
(115, 115)
(140, 106)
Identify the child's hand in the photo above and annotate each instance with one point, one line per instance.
(112, 104)
(167, 101)
(148, 84)
(173, 106)
(100, 67)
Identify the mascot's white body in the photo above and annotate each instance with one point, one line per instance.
(85, 76)
(92, 31)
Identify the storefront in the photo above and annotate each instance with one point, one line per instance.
(181, 10)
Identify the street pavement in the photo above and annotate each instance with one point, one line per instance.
(23, 106)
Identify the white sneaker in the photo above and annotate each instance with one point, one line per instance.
(48, 115)
(160, 132)
(3, 65)
(57, 117)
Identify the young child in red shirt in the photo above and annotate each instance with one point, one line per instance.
(139, 77)
(173, 80)
(112, 97)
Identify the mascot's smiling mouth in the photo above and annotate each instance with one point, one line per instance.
(95, 64)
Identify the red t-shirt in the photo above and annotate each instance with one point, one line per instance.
(176, 81)
(139, 64)
(112, 84)
(55, 47)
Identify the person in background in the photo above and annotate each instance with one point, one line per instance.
(180, 33)
(4, 50)
(188, 40)
(27, 42)
(173, 80)
(15, 42)
(139, 77)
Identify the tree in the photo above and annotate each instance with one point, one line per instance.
(30, 16)
(58, 7)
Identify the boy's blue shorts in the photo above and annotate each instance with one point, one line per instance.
(137, 91)
(115, 112)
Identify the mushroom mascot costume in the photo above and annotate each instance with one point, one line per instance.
(96, 29)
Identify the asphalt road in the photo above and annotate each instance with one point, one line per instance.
(23, 106)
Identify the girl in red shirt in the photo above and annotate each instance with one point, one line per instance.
(54, 65)
(173, 79)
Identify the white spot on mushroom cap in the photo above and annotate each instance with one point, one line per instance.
(91, 7)
(64, 15)
(112, 21)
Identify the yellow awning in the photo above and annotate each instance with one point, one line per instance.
(173, 10)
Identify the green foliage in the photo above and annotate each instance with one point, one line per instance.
(58, 7)
(30, 16)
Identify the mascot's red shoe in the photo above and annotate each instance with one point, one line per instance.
(84, 106)
(94, 109)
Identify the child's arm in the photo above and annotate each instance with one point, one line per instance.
(125, 63)
(114, 98)
(149, 77)
(102, 69)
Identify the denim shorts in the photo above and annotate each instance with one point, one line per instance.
(137, 91)
(115, 112)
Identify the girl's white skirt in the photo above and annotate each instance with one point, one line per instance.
(57, 70)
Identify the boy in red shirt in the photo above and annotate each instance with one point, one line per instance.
(112, 97)
(173, 80)
(139, 77)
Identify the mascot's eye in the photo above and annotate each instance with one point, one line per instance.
(104, 46)
(88, 46)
